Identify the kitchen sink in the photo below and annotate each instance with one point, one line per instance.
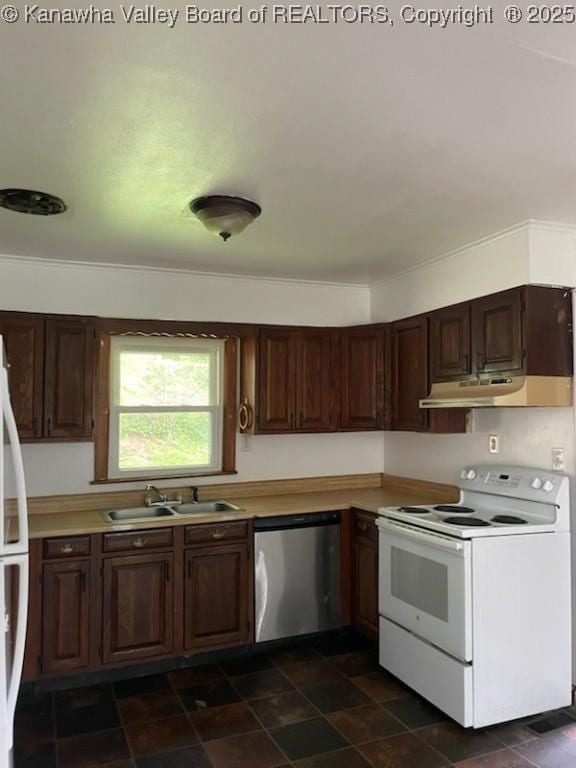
(161, 511)
(205, 508)
(137, 513)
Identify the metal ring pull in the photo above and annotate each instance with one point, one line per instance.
(66, 549)
(139, 542)
(245, 415)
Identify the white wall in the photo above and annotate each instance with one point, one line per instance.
(531, 253)
(488, 266)
(68, 468)
(44, 286)
(38, 285)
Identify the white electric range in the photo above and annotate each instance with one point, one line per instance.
(475, 598)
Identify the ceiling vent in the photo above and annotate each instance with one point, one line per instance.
(29, 201)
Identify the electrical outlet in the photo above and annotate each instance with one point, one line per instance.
(558, 462)
(494, 444)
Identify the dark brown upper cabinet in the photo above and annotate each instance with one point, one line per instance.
(287, 381)
(24, 342)
(497, 340)
(51, 374)
(277, 380)
(409, 366)
(450, 343)
(69, 379)
(362, 357)
(314, 396)
(525, 330)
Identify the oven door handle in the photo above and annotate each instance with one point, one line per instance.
(430, 539)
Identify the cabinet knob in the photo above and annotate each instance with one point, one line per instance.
(218, 534)
(66, 549)
(139, 542)
(363, 526)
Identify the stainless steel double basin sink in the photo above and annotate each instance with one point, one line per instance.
(167, 510)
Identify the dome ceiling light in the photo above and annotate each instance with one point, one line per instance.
(29, 201)
(225, 215)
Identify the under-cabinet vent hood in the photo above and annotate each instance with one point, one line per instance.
(501, 392)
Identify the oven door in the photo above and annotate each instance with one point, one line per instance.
(425, 585)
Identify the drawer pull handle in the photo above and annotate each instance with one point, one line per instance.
(218, 534)
(139, 542)
(66, 549)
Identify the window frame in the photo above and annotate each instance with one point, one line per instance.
(104, 471)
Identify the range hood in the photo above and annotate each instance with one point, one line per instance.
(501, 392)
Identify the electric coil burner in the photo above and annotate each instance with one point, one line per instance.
(454, 509)
(508, 520)
(414, 510)
(472, 521)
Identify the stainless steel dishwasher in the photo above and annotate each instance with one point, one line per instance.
(297, 575)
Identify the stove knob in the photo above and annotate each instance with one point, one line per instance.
(471, 474)
(537, 483)
(548, 486)
(463, 474)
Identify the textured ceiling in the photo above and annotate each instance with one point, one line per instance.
(370, 148)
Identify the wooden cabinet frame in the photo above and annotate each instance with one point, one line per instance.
(52, 382)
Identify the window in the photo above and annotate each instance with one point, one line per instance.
(166, 406)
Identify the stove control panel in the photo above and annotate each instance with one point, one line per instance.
(519, 482)
(502, 479)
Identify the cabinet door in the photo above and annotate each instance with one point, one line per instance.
(409, 374)
(216, 595)
(69, 378)
(66, 616)
(450, 343)
(497, 332)
(277, 380)
(24, 342)
(365, 582)
(314, 409)
(362, 379)
(138, 600)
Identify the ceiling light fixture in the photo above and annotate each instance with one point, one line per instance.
(29, 201)
(225, 215)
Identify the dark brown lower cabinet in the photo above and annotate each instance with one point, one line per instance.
(138, 600)
(365, 573)
(217, 597)
(66, 616)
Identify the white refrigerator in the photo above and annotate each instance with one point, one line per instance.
(13, 567)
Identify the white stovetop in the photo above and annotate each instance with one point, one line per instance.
(435, 520)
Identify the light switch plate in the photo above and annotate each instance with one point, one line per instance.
(558, 461)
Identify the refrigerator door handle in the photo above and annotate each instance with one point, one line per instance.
(21, 562)
(21, 545)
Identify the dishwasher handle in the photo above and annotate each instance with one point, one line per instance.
(289, 522)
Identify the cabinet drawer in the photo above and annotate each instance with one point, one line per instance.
(208, 534)
(70, 546)
(365, 525)
(137, 540)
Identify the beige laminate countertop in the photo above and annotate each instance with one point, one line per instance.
(370, 499)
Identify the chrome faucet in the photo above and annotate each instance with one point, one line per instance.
(162, 498)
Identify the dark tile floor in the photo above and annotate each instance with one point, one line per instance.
(326, 705)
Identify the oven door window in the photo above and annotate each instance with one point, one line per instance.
(425, 587)
(420, 582)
